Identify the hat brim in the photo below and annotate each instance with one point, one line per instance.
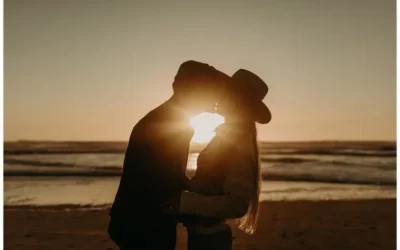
(262, 114)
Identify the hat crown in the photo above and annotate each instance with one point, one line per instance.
(252, 90)
(249, 84)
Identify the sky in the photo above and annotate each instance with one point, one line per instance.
(89, 70)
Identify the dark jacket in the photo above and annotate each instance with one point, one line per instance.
(154, 164)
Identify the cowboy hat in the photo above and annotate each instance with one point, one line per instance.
(252, 90)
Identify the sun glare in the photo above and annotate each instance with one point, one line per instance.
(204, 125)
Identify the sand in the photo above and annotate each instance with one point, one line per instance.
(368, 224)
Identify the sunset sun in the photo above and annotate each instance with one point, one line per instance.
(204, 125)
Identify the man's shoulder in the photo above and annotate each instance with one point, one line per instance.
(159, 113)
(150, 123)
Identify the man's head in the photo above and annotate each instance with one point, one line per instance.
(198, 86)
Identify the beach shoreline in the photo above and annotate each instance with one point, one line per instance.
(300, 224)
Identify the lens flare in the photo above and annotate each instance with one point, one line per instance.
(204, 125)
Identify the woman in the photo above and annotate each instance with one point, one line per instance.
(227, 181)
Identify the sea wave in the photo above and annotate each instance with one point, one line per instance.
(329, 179)
(57, 164)
(266, 175)
(287, 161)
(309, 171)
(344, 152)
(368, 149)
(116, 160)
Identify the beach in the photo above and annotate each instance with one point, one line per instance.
(331, 224)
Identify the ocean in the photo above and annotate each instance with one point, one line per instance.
(87, 173)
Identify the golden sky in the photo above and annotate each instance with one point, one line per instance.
(89, 70)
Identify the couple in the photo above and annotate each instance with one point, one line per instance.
(154, 193)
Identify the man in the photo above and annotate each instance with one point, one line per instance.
(156, 158)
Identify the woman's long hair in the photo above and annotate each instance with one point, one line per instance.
(248, 223)
(237, 107)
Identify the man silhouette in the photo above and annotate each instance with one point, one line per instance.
(156, 158)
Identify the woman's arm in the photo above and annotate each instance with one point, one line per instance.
(235, 200)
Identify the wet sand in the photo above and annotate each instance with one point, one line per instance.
(357, 224)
